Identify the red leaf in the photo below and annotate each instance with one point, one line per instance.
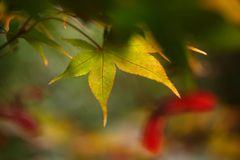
(24, 120)
(200, 101)
(153, 134)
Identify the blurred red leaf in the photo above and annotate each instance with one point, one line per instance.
(153, 135)
(25, 120)
(199, 101)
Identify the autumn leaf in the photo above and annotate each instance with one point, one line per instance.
(195, 102)
(153, 134)
(101, 66)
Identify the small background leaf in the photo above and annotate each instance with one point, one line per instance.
(37, 36)
(38, 47)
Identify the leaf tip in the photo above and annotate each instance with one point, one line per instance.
(55, 79)
(178, 95)
(174, 89)
(68, 55)
(45, 62)
(105, 116)
(197, 50)
(51, 82)
(105, 122)
(164, 56)
(65, 23)
(65, 53)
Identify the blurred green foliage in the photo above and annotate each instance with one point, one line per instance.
(173, 23)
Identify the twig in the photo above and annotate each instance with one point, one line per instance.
(25, 29)
(22, 30)
(70, 24)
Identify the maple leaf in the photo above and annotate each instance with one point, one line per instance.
(101, 65)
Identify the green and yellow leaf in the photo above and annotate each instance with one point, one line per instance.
(101, 79)
(100, 64)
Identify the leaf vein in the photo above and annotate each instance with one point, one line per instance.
(102, 71)
(75, 68)
(139, 66)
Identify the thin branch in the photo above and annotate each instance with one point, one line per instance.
(22, 30)
(70, 24)
(25, 29)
